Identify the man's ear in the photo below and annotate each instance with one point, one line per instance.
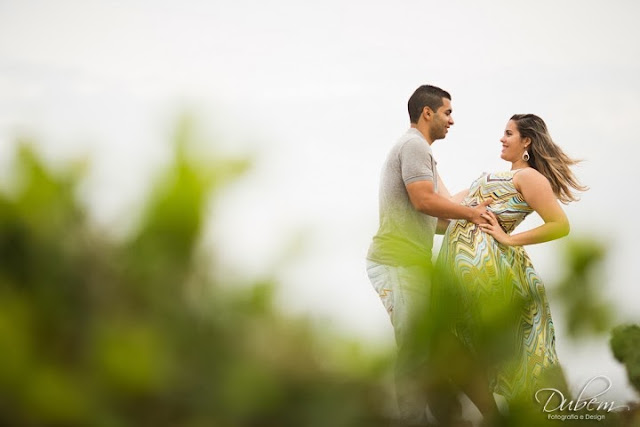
(427, 113)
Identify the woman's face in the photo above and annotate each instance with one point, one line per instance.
(513, 145)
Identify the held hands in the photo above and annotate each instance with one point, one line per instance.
(478, 212)
(493, 228)
(488, 222)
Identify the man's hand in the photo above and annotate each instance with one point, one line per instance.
(477, 216)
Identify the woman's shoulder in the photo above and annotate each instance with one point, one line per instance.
(527, 173)
(529, 177)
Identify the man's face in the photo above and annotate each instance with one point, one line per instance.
(441, 121)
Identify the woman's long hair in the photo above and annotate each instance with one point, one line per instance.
(547, 158)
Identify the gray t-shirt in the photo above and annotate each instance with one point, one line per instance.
(405, 235)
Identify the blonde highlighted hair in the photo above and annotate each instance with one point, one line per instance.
(547, 157)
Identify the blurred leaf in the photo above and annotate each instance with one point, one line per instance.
(579, 290)
(625, 344)
(132, 332)
(138, 332)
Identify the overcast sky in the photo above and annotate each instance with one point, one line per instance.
(316, 93)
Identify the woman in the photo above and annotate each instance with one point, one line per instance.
(500, 313)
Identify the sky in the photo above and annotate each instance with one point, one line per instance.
(315, 94)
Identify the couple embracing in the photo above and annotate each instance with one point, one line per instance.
(478, 321)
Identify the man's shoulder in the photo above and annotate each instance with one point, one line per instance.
(412, 137)
(414, 146)
(412, 133)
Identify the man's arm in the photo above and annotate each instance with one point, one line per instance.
(457, 198)
(424, 199)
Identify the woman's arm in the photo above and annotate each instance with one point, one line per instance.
(442, 189)
(459, 197)
(444, 192)
(537, 192)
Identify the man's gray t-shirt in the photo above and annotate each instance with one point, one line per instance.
(405, 235)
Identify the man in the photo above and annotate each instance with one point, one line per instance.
(399, 258)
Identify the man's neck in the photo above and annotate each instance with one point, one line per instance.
(420, 127)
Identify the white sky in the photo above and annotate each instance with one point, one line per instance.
(317, 94)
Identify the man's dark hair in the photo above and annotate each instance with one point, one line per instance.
(426, 96)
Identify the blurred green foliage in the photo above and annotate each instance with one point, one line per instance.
(625, 343)
(580, 289)
(96, 331)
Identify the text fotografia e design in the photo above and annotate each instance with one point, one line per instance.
(557, 402)
(565, 417)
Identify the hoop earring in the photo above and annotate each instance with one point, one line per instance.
(525, 156)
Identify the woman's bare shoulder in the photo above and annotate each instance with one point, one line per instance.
(529, 177)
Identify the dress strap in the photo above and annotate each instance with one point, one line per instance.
(515, 171)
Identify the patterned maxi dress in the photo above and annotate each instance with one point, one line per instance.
(490, 279)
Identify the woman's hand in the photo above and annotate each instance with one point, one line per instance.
(494, 229)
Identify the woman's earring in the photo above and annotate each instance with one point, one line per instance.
(525, 156)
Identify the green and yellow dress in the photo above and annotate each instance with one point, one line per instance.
(501, 305)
